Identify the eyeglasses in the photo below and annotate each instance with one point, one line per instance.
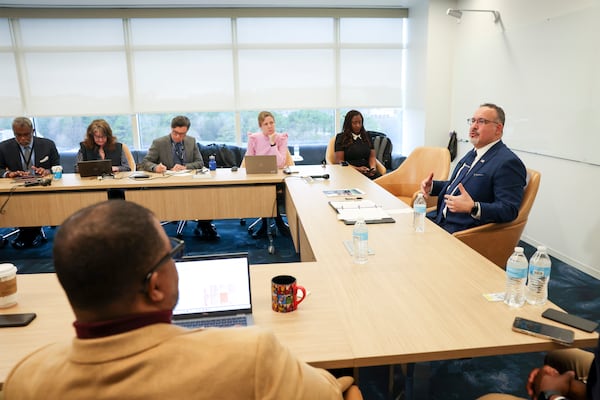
(100, 137)
(177, 247)
(25, 135)
(480, 121)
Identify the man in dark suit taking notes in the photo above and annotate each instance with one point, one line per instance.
(27, 155)
(487, 184)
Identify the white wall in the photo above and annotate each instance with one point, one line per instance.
(429, 70)
(564, 216)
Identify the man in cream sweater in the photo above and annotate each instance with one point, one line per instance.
(114, 261)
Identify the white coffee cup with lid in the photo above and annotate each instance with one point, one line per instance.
(8, 285)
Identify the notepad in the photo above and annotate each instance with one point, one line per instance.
(349, 211)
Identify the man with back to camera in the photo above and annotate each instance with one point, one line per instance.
(22, 156)
(177, 152)
(114, 261)
(487, 184)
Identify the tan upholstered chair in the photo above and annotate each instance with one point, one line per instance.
(497, 241)
(129, 157)
(405, 181)
(330, 156)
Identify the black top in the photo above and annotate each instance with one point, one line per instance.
(357, 153)
(114, 155)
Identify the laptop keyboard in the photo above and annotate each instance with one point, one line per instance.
(213, 322)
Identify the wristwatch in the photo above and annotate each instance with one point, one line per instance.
(547, 395)
(475, 208)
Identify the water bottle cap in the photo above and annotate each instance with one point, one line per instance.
(541, 248)
(519, 250)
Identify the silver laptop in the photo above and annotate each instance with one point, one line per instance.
(261, 164)
(214, 291)
(94, 168)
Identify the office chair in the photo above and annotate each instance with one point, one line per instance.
(330, 157)
(496, 241)
(220, 151)
(405, 181)
(129, 156)
(289, 161)
(6, 236)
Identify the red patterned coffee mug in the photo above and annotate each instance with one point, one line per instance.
(284, 293)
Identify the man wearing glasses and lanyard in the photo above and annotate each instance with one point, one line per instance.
(27, 155)
(487, 184)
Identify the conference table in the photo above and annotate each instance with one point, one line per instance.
(420, 297)
(216, 194)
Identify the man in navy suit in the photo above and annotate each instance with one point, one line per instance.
(177, 152)
(25, 155)
(487, 184)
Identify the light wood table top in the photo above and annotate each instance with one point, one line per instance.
(419, 298)
(315, 331)
(222, 176)
(43, 295)
(225, 194)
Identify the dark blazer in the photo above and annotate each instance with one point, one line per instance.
(161, 151)
(45, 155)
(497, 182)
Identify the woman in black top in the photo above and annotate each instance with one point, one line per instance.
(354, 146)
(100, 144)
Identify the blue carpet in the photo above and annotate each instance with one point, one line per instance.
(570, 288)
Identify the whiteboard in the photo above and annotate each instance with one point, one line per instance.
(546, 76)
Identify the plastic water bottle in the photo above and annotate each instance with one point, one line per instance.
(539, 276)
(212, 163)
(420, 208)
(360, 240)
(516, 276)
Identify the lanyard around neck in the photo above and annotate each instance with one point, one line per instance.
(28, 160)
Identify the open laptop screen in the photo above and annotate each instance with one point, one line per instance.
(261, 164)
(213, 284)
(94, 168)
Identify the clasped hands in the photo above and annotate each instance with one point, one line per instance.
(461, 203)
(548, 378)
(368, 171)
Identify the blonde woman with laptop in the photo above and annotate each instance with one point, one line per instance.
(264, 143)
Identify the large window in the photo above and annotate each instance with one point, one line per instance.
(140, 69)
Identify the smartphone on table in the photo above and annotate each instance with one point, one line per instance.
(570, 320)
(538, 329)
(12, 320)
